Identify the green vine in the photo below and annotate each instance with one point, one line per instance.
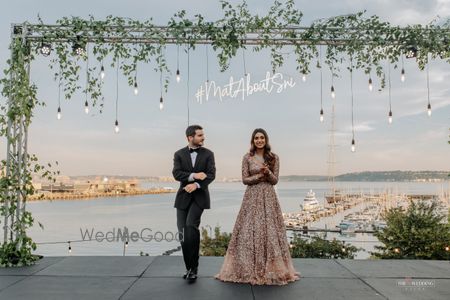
(366, 41)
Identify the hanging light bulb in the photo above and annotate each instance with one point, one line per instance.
(102, 72)
(304, 77)
(429, 109)
(58, 115)
(86, 107)
(321, 115)
(333, 94)
(161, 103)
(402, 77)
(116, 128)
(70, 248)
(178, 76)
(126, 244)
(136, 91)
(353, 145)
(390, 117)
(370, 84)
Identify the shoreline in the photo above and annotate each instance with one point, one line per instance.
(88, 196)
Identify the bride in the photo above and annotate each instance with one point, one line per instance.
(258, 252)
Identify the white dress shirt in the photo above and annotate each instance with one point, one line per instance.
(193, 158)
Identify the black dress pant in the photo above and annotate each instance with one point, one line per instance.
(188, 222)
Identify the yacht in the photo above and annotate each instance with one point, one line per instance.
(310, 202)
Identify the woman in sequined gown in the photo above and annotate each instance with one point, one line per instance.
(258, 252)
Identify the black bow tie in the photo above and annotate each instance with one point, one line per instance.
(192, 150)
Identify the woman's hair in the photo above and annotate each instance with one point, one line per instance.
(269, 157)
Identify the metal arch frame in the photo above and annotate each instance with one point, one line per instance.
(17, 130)
(136, 35)
(17, 153)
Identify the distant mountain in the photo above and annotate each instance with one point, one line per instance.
(303, 178)
(377, 176)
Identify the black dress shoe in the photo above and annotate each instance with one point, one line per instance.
(186, 274)
(192, 276)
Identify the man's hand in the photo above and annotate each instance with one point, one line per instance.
(190, 187)
(200, 176)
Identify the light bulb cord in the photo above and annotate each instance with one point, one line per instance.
(117, 88)
(351, 89)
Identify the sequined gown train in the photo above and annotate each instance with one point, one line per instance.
(258, 252)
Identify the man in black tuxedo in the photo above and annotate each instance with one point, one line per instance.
(194, 168)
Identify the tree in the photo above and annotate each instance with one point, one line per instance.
(214, 246)
(415, 233)
(318, 247)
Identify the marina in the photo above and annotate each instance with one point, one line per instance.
(353, 213)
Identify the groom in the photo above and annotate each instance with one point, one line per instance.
(194, 168)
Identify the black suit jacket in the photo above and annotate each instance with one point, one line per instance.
(182, 169)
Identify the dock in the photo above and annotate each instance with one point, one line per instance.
(90, 195)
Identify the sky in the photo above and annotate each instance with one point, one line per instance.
(86, 144)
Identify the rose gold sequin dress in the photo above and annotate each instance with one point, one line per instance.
(258, 252)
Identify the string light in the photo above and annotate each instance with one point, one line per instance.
(402, 76)
(333, 93)
(304, 76)
(116, 124)
(207, 64)
(116, 127)
(178, 64)
(136, 91)
(353, 148)
(102, 71)
(390, 104)
(188, 84)
(70, 248)
(243, 59)
(396, 250)
(58, 115)
(321, 85)
(370, 84)
(161, 103)
(86, 104)
(428, 91)
(447, 248)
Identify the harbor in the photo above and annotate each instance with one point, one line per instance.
(71, 190)
(352, 217)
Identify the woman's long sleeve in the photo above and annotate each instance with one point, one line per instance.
(248, 179)
(272, 177)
